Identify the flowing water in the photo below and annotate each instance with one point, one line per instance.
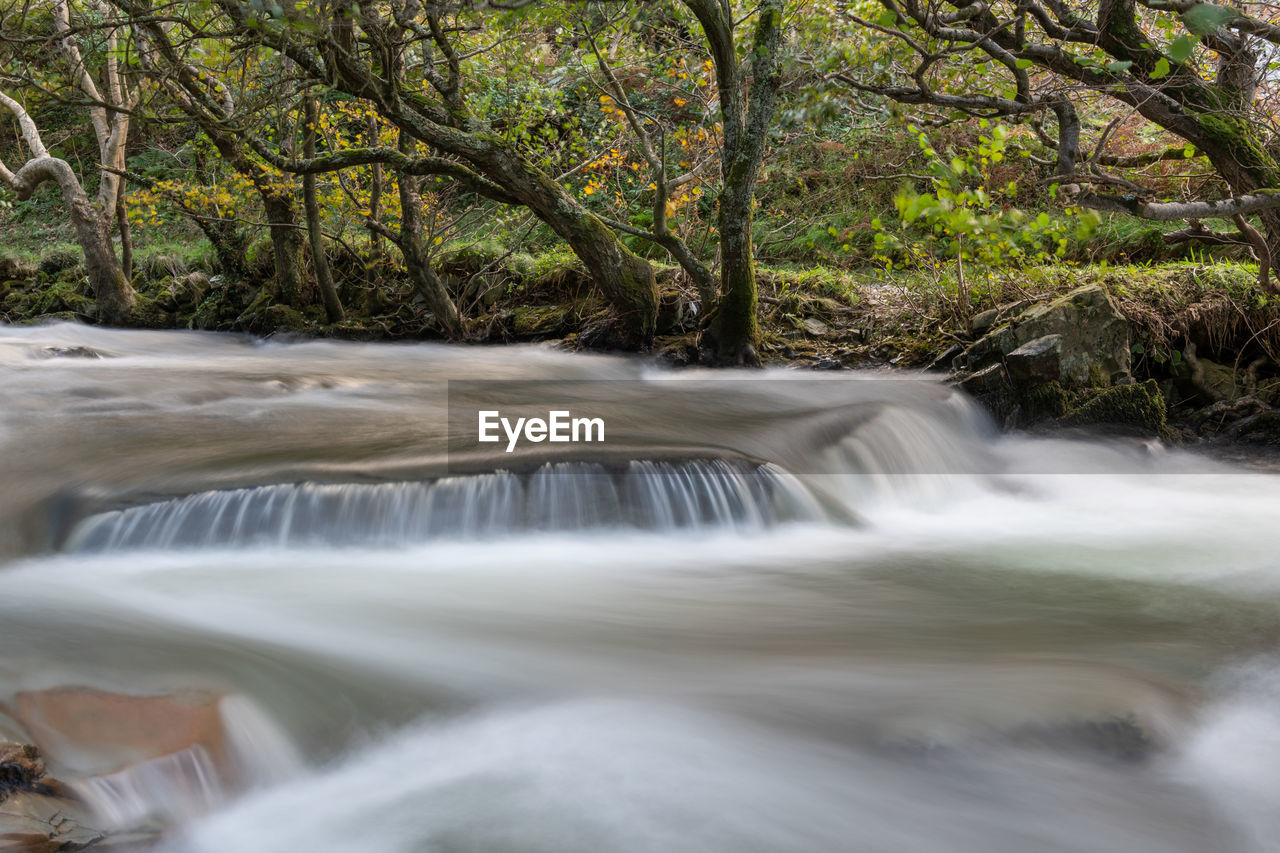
(769, 613)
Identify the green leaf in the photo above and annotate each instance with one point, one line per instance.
(1023, 63)
(887, 18)
(1188, 151)
(1205, 18)
(1120, 65)
(1161, 69)
(1181, 48)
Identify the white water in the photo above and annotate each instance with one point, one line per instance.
(903, 633)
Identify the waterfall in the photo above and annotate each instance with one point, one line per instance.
(566, 496)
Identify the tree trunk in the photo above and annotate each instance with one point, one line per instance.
(229, 244)
(734, 331)
(627, 281)
(375, 192)
(324, 278)
(114, 297)
(286, 246)
(126, 235)
(417, 260)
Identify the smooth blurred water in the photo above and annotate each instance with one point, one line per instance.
(856, 619)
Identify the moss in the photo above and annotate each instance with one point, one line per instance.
(1044, 401)
(538, 322)
(58, 261)
(1139, 407)
(147, 313)
(69, 292)
(270, 319)
(1235, 132)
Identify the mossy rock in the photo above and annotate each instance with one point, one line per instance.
(14, 270)
(1137, 407)
(272, 319)
(148, 313)
(58, 261)
(539, 321)
(60, 296)
(1046, 401)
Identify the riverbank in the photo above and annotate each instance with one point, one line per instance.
(1201, 332)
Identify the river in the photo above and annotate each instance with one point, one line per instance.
(773, 611)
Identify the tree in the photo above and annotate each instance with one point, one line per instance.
(748, 91)
(110, 118)
(362, 50)
(1192, 69)
(319, 260)
(201, 93)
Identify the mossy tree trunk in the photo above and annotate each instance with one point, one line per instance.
(319, 260)
(733, 334)
(417, 258)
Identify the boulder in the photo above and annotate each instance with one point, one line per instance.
(1036, 361)
(990, 380)
(1137, 407)
(1091, 346)
(91, 732)
(987, 320)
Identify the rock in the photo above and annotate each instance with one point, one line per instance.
(814, 327)
(59, 260)
(1136, 407)
(985, 321)
(1036, 361)
(989, 380)
(273, 318)
(1261, 428)
(1094, 337)
(185, 292)
(91, 732)
(20, 770)
(536, 322)
(35, 812)
(70, 352)
(948, 356)
(14, 271)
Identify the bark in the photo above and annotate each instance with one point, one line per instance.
(417, 259)
(126, 234)
(375, 193)
(324, 278)
(286, 246)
